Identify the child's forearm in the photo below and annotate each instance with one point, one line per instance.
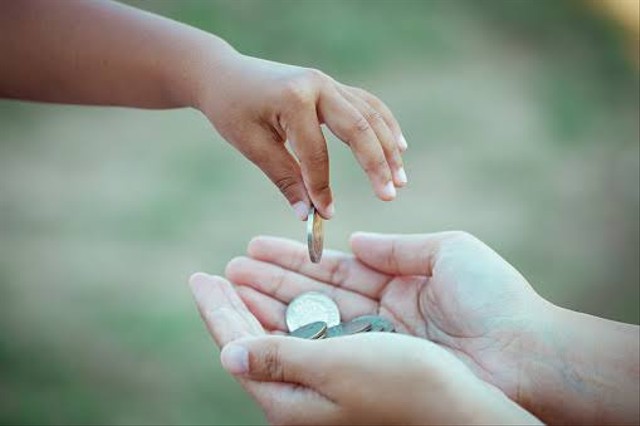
(101, 52)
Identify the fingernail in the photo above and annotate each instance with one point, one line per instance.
(235, 359)
(331, 210)
(301, 209)
(402, 176)
(402, 142)
(389, 190)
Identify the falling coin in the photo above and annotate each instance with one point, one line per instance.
(315, 235)
(314, 330)
(311, 307)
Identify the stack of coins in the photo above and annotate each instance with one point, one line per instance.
(313, 315)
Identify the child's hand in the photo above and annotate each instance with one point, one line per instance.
(258, 105)
(107, 53)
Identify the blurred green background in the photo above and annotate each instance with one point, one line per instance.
(522, 123)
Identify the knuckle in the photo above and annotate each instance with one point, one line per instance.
(316, 159)
(373, 116)
(278, 281)
(286, 184)
(369, 97)
(339, 273)
(273, 368)
(297, 92)
(374, 101)
(392, 259)
(361, 125)
(319, 187)
(391, 149)
(315, 76)
(395, 159)
(377, 165)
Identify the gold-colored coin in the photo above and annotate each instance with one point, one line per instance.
(315, 235)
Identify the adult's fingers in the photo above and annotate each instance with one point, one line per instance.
(267, 309)
(388, 116)
(225, 315)
(284, 285)
(308, 143)
(382, 131)
(398, 254)
(348, 124)
(337, 268)
(272, 157)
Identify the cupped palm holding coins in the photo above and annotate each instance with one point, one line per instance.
(313, 315)
(440, 290)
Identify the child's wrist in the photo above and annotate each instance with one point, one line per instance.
(195, 73)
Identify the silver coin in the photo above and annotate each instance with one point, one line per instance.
(377, 322)
(311, 307)
(315, 235)
(314, 330)
(358, 325)
(382, 324)
(334, 331)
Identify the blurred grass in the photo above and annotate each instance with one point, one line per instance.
(522, 122)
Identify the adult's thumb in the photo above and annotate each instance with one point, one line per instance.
(270, 359)
(412, 254)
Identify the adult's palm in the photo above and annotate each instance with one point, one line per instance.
(448, 287)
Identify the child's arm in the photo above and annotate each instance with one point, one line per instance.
(94, 52)
(105, 53)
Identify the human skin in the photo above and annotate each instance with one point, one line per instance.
(106, 53)
(453, 290)
(374, 378)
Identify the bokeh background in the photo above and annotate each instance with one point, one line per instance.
(522, 123)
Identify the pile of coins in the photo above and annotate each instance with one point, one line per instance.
(313, 315)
